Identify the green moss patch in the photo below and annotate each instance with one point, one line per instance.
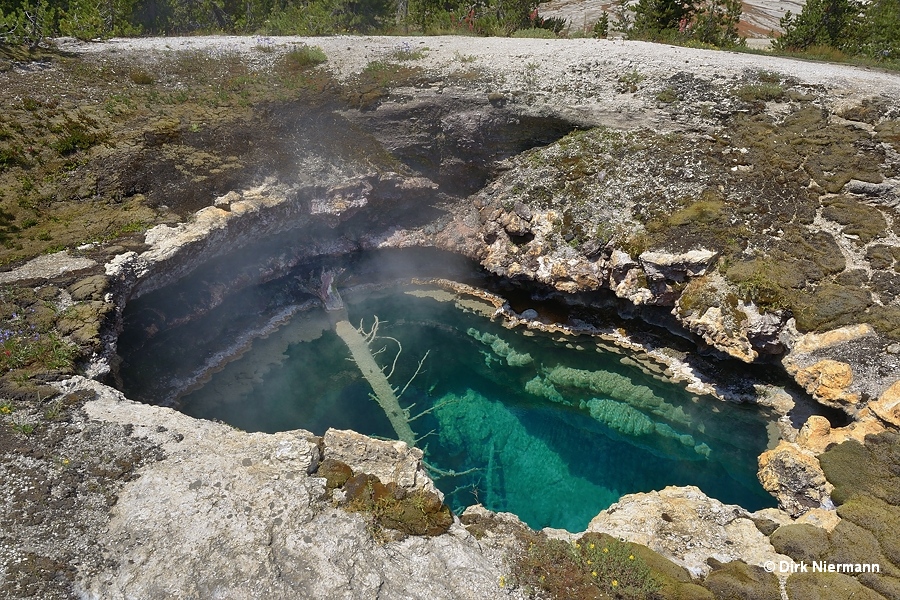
(335, 472)
(879, 518)
(885, 319)
(887, 586)
(865, 222)
(761, 92)
(699, 295)
(739, 581)
(881, 256)
(802, 542)
(703, 211)
(870, 111)
(82, 322)
(390, 509)
(769, 283)
(870, 469)
(830, 306)
(598, 566)
(867, 489)
(889, 131)
(827, 586)
(29, 341)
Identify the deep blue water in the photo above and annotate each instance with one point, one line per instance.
(550, 433)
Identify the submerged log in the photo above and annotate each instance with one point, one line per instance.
(383, 391)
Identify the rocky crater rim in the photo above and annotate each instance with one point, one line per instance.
(271, 208)
(722, 296)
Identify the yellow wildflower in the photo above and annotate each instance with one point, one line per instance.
(615, 583)
(594, 573)
(606, 551)
(631, 557)
(502, 581)
(591, 546)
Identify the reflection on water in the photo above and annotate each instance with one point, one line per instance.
(547, 432)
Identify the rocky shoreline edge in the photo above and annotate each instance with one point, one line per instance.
(176, 485)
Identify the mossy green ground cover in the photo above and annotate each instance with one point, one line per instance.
(85, 143)
(867, 491)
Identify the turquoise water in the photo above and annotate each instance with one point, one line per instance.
(548, 432)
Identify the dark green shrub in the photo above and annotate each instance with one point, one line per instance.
(554, 24)
(601, 27)
(74, 136)
(534, 32)
(302, 58)
(596, 566)
(27, 23)
(141, 77)
(831, 28)
(703, 23)
(820, 23)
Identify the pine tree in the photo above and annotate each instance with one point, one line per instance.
(26, 23)
(820, 23)
(715, 22)
(878, 34)
(653, 18)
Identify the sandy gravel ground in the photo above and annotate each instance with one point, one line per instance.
(574, 68)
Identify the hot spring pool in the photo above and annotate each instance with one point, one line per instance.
(553, 431)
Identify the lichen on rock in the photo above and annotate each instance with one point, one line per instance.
(688, 527)
(793, 475)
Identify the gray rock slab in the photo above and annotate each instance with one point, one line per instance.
(233, 515)
(48, 266)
